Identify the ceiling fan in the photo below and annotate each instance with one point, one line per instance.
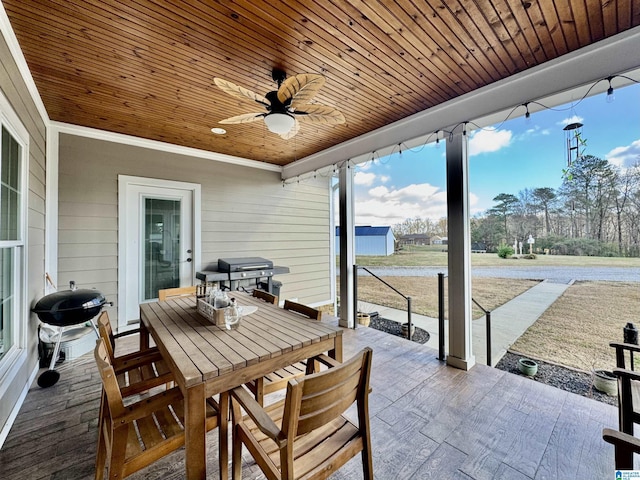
(286, 106)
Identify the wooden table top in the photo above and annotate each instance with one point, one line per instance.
(201, 351)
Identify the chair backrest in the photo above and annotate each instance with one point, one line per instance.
(266, 296)
(110, 385)
(304, 310)
(169, 293)
(106, 333)
(324, 396)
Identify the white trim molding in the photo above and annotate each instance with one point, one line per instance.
(161, 146)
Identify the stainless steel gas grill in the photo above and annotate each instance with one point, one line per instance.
(232, 272)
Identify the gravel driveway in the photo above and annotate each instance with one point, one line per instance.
(553, 274)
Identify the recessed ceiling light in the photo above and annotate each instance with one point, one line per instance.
(218, 131)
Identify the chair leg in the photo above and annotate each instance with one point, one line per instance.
(236, 455)
(259, 396)
(101, 454)
(223, 434)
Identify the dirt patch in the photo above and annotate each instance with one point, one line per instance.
(489, 292)
(576, 330)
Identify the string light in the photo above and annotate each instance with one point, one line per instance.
(610, 96)
(527, 115)
(527, 118)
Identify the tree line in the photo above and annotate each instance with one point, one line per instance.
(595, 211)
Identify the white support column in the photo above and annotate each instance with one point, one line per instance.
(347, 248)
(459, 240)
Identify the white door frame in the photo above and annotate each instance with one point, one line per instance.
(126, 181)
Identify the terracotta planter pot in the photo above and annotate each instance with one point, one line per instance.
(405, 330)
(605, 382)
(364, 319)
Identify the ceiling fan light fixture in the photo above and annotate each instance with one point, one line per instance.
(279, 123)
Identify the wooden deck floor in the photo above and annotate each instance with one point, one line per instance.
(428, 421)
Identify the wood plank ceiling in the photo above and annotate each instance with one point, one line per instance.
(146, 68)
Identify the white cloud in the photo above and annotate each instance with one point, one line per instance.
(363, 178)
(384, 178)
(484, 141)
(625, 157)
(389, 206)
(573, 119)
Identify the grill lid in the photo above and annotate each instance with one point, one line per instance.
(243, 264)
(69, 307)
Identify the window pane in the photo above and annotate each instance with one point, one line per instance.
(7, 295)
(10, 188)
(161, 246)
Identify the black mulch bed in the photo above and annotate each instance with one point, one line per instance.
(559, 377)
(395, 328)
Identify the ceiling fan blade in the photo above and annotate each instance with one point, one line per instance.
(291, 133)
(300, 89)
(244, 118)
(319, 114)
(240, 92)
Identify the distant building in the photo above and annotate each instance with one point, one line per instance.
(436, 240)
(414, 239)
(371, 241)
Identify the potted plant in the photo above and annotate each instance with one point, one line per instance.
(605, 381)
(528, 366)
(364, 319)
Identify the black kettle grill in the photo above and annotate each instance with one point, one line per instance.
(64, 309)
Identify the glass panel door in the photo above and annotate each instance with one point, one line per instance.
(161, 257)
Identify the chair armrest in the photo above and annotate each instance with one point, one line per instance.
(625, 346)
(136, 359)
(149, 405)
(618, 438)
(621, 372)
(124, 334)
(326, 360)
(258, 415)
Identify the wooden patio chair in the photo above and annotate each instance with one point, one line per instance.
(169, 293)
(278, 380)
(305, 434)
(625, 446)
(266, 296)
(134, 436)
(628, 386)
(628, 399)
(138, 371)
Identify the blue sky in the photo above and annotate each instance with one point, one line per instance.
(509, 158)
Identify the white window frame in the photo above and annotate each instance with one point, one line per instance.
(17, 353)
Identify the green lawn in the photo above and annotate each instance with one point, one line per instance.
(433, 256)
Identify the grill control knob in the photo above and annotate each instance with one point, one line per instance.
(262, 273)
(243, 274)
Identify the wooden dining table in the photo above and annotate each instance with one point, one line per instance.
(207, 359)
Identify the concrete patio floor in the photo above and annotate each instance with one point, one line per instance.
(428, 421)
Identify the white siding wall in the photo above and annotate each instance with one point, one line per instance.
(245, 212)
(15, 90)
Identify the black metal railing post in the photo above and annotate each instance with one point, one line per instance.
(355, 295)
(487, 314)
(409, 318)
(441, 316)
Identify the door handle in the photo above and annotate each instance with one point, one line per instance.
(189, 259)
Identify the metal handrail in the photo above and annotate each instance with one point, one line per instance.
(355, 295)
(487, 314)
